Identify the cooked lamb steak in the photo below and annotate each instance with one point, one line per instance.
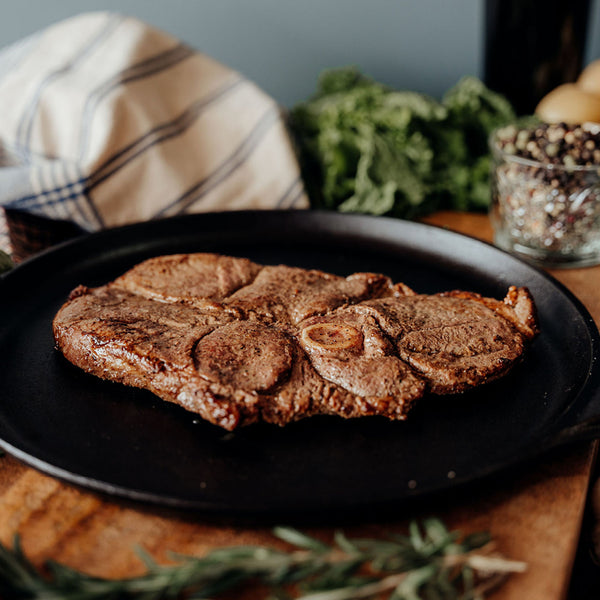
(237, 342)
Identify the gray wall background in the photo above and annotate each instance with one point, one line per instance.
(423, 45)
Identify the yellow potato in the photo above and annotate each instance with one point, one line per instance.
(569, 103)
(589, 80)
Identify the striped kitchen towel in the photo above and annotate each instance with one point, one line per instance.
(107, 121)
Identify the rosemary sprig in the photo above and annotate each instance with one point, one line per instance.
(429, 562)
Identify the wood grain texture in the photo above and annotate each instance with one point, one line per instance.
(534, 513)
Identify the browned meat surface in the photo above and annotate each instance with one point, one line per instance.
(237, 342)
(454, 342)
(293, 294)
(189, 277)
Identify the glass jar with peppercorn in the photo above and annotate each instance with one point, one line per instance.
(546, 192)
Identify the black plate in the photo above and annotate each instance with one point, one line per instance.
(127, 442)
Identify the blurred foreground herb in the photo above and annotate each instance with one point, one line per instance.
(364, 147)
(429, 562)
(6, 264)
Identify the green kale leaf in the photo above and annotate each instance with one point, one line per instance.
(364, 147)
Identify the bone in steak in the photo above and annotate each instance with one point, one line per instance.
(237, 342)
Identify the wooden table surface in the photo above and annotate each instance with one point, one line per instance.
(535, 515)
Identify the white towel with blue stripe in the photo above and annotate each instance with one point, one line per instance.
(107, 121)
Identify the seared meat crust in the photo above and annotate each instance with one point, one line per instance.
(237, 342)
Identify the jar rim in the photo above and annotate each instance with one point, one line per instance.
(499, 153)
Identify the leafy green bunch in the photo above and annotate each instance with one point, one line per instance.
(364, 147)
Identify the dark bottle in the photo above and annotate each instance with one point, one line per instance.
(531, 47)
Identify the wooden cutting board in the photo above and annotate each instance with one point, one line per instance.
(534, 514)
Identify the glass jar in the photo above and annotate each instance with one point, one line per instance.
(546, 210)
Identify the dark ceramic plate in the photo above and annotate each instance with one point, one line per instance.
(127, 442)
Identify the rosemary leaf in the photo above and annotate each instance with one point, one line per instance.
(296, 538)
(409, 587)
(345, 544)
(494, 564)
